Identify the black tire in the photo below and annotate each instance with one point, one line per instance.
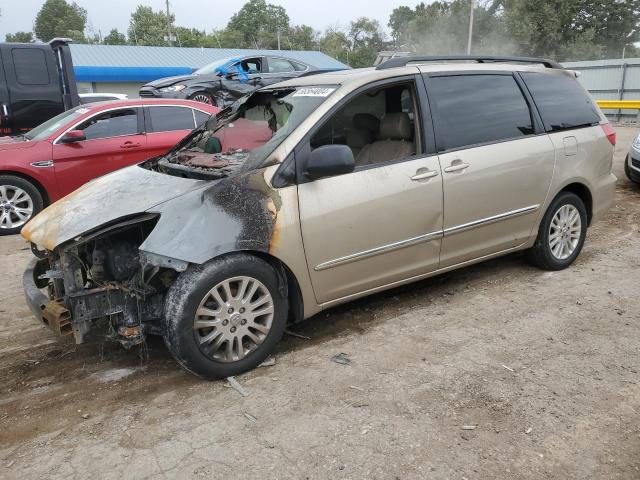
(540, 254)
(9, 181)
(184, 297)
(200, 96)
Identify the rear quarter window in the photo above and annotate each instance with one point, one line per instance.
(561, 101)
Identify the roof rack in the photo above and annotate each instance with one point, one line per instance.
(403, 61)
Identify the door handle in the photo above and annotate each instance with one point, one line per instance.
(129, 145)
(456, 166)
(424, 175)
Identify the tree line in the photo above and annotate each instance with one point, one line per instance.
(559, 29)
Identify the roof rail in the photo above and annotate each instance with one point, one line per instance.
(403, 61)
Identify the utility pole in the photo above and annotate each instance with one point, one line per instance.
(472, 7)
(168, 24)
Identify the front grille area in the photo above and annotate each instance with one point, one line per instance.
(146, 93)
(635, 163)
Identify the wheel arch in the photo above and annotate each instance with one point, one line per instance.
(43, 191)
(286, 278)
(584, 193)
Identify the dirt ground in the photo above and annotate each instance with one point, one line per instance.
(498, 370)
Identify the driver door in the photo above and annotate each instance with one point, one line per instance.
(382, 223)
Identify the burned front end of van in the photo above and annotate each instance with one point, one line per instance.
(101, 285)
(108, 254)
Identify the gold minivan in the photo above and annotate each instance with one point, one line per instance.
(319, 190)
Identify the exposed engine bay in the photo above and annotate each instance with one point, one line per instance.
(101, 286)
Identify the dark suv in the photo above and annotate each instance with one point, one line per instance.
(36, 83)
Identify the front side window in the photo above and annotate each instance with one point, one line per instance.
(168, 119)
(280, 65)
(378, 125)
(48, 128)
(476, 109)
(242, 136)
(561, 101)
(115, 123)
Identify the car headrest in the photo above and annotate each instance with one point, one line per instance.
(359, 138)
(395, 126)
(366, 121)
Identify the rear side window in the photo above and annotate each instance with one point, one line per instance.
(474, 109)
(561, 101)
(31, 66)
(167, 119)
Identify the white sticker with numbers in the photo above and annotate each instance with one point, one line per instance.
(313, 92)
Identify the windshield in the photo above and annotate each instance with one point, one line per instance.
(46, 129)
(211, 68)
(242, 136)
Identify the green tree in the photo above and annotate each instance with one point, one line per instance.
(57, 18)
(399, 21)
(367, 39)
(115, 38)
(259, 23)
(20, 37)
(302, 37)
(191, 37)
(336, 44)
(147, 27)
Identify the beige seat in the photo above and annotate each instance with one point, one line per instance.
(395, 140)
(364, 131)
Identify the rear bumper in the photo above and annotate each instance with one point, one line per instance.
(603, 196)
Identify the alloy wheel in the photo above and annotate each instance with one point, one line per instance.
(233, 319)
(202, 98)
(16, 207)
(565, 231)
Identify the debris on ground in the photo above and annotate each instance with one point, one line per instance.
(85, 415)
(510, 369)
(298, 335)
(233, 383)
(269, 362)
(341, 358)
(528, 430)
(250, 417)
(356, 388)
(469, 427)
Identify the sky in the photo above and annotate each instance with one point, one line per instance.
(18, 15)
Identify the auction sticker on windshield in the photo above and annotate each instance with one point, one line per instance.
(313, 92)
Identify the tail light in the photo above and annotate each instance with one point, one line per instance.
(609, 132)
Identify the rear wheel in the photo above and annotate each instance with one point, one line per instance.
(202, 97)
(224, 317)
(561, 234)
(20, 200)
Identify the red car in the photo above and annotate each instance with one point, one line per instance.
(83, 143)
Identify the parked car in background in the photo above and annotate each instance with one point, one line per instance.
(632, 162)
(222, 82)
(320, 190)
(83, 143)
(101, 97)
(37, 83)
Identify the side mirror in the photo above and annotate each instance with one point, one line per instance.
(329, 161)
(73, 136)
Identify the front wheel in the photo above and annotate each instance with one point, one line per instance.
(561, 234)
(202, 97)
(224, 317)
(20, 200)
